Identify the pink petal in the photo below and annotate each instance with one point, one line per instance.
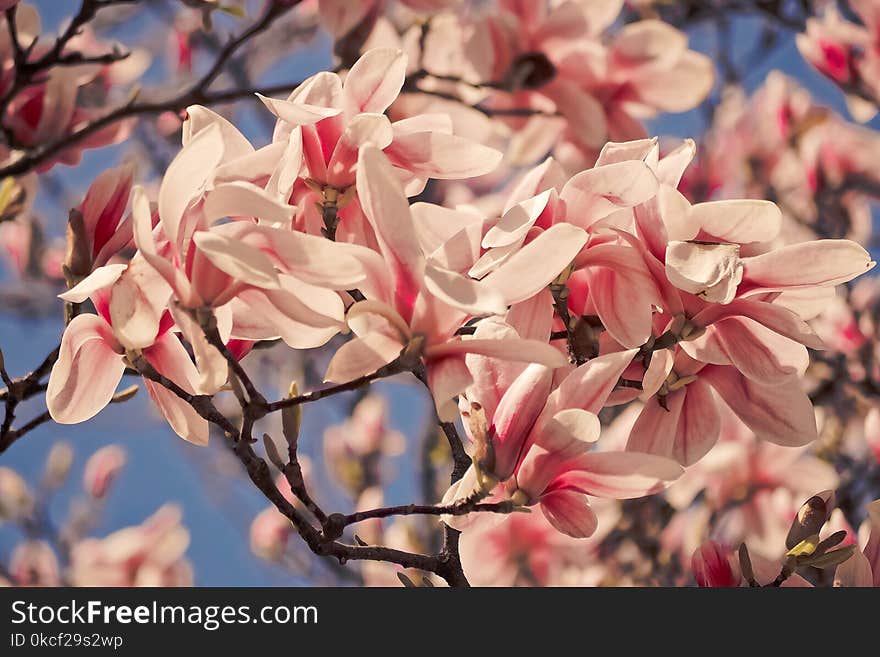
(698, 426)
(88, 369)
(775, 317)
(137, 302)
(679, 89)
(361, 356)
(387, 210)
(821, 262)
(298, 113)
(740, 221)
(186, 177)
(516, 222)
(588, 386)
(170, 358)
(710, 271)
(145, 241)
(538, 263)
(244, 199)
(596, 193)
(442, 156)
(375, 80)
(198, 119)
(100, 279)
(656, 427)
(315, 260)
(622, 475)
(533, 318)
(780, 414)
(854, 572)
(241, 262)
(466, 294)
(761, 354)
(570, 513)
(515, 414)
(304, 316)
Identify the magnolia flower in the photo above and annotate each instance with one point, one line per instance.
(34, 563)
(353, 450)
(411, 301)
(101, 469)
(95, 350)
(149, 554)
(331, 120)
(96, 235)
(543, 441)
(844, 52)
(608, 277)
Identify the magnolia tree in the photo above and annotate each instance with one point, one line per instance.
(647, 361)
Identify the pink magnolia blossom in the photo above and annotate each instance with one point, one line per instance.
(526, 550)
(34, 563)
(846, 53)
(16, 499)
(95, 350)
(104, 233)
(608, 277)
(409, 297)
(149, 554)
(353, 450)
(543, 441)
(332, 119)
(101, 469)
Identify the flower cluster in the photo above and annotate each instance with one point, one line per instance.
(589, 290)
(639, 356)
(149, 554)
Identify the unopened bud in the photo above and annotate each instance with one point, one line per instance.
(272, 451)
(291, 418)
(810, 518)
(58, 464)
(126, 394)
(16, 500)
(101, 469)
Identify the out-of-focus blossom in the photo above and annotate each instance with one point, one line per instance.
(34, 563)
(863, 568)
(354, 449)
(101, 470)
(16, 500)
(149, 554)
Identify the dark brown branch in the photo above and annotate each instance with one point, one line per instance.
(17, 391)
(460, 508)
(199, 93)
(385, 371)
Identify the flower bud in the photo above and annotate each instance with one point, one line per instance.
(16, 500)
(58, 464)
(291, 418)
(101, 469)
(809, 519)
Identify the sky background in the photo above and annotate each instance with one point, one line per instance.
(162, 468)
